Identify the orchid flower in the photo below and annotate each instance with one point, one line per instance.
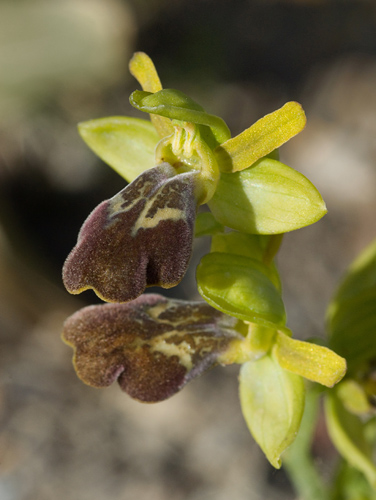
(181, 159)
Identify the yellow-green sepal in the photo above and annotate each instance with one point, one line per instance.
(349, 435)
(241, 287)
(125, 144)
(267, 198)
(143, 69)
(263, 137)
(206, 225)
(263, 247)
(354, 397)
(360, 276)
(249, 245)
(254, 246)
(311, 361)
(272, 401)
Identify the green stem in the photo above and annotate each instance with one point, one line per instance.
(272, 248)
(298, 460)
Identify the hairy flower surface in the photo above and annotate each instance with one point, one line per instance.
(152, 346)
(141, 237)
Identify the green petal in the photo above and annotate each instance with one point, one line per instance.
(352, 312)
(143, 69)
(241, 287)
(261, 138)
(314, 362)
(267, 198)
(175, 105)
(348, 435)
(126, 144)
(272, 402)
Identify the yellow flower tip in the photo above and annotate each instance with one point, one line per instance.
(297, 111)
(143, 69)
(263, 137)
(329, 377)
(311, 361)
(335, 372)
(354, 397)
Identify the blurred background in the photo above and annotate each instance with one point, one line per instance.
(65, 62)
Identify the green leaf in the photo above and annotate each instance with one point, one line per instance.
(267, 198)
(361, 275)
(314, 362)
(241, 287)
(263, 137)
(272, 402)
(348, 434)
(206, 225)
(126, 144)
(350, 484)
(352, 327)
(352, 312)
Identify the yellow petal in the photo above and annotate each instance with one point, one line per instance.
(263, 137)
(143, 69)
(314, 362)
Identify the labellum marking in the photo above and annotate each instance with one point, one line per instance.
(153, 346)
(141, 237)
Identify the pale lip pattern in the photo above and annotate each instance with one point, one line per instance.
(152, 346)
(141, 237)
